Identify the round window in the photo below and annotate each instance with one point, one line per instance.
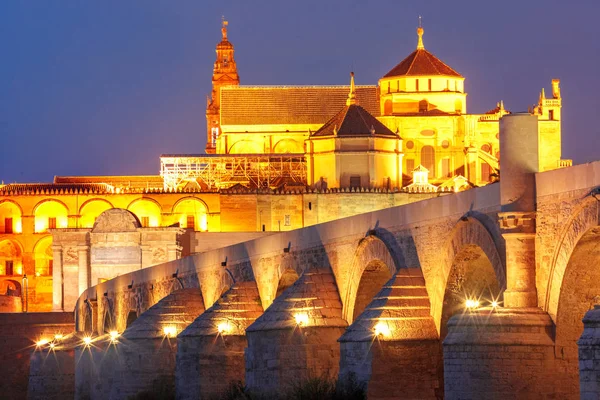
(445, 144)
(410, 144)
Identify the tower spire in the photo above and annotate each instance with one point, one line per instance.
(352, 94)
(420, 31)
(224, 24)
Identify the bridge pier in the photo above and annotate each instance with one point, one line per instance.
(392, 349)
(210, 352)
(146, 350)
(504, 353)
(296, 337)
(589, 355)
(52, 370)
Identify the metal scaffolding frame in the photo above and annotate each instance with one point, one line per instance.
(218, 171)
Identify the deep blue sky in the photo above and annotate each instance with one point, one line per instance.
(105, 87)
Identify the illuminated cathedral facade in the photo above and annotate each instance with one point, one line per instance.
(276, 158)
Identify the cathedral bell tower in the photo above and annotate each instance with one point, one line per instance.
(224, 74)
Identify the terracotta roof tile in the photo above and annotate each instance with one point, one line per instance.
(353, 120)
(245, 105)
(422, 63)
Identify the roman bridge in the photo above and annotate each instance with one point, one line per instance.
(381, 297)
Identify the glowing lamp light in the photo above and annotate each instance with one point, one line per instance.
(52, 345)
(301, 319)
(224, 328)
(382, 329)
(113, 336)
(87, 341)
(58, 336)
(495, 304)
(471, 304)
(170, 331)
(41, 342)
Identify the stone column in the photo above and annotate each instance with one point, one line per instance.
(518, 230)
(84, 267)
(589, 356)
(57, 279)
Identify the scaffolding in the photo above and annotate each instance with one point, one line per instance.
(218, 171)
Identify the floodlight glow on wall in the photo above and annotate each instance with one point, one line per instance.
(301, 319)
(471, 304)
(170, 331)
(224, 328)
(382, 329)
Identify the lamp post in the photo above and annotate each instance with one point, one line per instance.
(25, 292)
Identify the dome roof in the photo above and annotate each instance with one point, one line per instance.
(421, 63)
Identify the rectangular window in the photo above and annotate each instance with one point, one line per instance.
(355, 181)
(52, 223)
(50, 267)
(286, 220)
(8, 225)
(397, 86)
(410, 165)
(446, 168)
(190, 222)
(430, 85)
(145, 222)
(417, 85)
(388, 87)
(9, 268)
(551, 115)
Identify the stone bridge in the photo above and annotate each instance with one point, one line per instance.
(380, 297)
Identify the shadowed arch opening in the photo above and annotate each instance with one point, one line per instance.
(469, 241)
(375, 275)
(286, 280)
(372, 267)
(579, 292)
(131, 317)
(472, 277)
(287, 273)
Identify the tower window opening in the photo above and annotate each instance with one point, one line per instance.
(551, 115)
(429, 83)
(417, 84)
(388, 87)
(397, 85)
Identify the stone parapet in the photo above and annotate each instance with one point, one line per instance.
(504, 353)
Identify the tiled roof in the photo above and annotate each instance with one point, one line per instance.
(247, 105)
(421, 63)
(130, 181)
(56, 188)
(353, 120)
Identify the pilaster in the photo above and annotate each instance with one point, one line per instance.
(57, 279)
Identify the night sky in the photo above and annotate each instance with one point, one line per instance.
(105, 87)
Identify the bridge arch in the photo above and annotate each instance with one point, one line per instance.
(471, 266)
(584, 218)
(373, 265)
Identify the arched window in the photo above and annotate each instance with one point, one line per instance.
(428, 159)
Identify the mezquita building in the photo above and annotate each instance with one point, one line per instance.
(277, 158)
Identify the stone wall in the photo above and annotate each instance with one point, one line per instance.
(18, 334)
